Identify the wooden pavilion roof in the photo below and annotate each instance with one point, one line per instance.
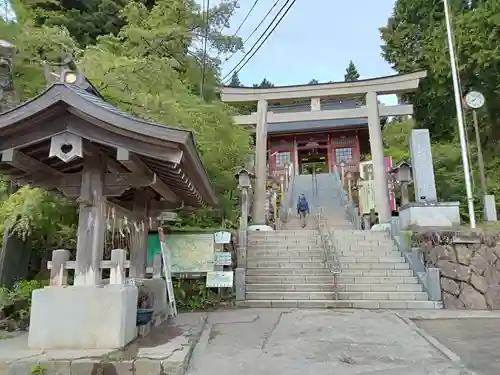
(127, 144)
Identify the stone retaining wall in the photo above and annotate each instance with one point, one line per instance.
(470, 267)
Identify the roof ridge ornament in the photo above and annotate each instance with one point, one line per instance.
(64, 71)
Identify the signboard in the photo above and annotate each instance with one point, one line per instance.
(222, 237)
(191, 253)
(220, 279)
(222, 258)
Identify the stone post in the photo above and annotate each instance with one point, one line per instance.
(242, 235)
(422, 166)
(259, 214)
(91, 222)
(377, 152)
(240, 272)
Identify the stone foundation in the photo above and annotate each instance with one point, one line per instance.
(469, 265)
(83, 317)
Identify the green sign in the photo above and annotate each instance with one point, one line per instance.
(154, 247)
(189, 253)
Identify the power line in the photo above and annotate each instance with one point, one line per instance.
(255, 30)
(246, 17)
(256, 44)
(204, 60)
(236, 69)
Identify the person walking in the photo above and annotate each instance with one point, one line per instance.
(303, 210)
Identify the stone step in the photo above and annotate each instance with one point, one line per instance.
(270, 253)
(298, 251)
(332, 295)
(257, 261)
(375, 266)
(286, 259)
(282, 247)
(283, 233)
(362, 233)
(368, 253)
(370, 259)
(346, 304)
(362, 243)
(325, 272)
(341, 279)
(287, 242)
(310, 287)
(284, 264)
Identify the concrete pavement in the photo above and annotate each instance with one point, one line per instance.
(315, 342)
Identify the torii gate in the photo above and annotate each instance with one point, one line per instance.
(369, 88)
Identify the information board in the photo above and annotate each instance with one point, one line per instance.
(220, 279)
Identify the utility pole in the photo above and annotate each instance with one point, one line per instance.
(460, 118)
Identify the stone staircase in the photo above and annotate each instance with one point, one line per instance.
(287, 268)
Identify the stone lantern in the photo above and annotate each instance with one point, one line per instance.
(244, 179)
(351, 178)
(401, 175)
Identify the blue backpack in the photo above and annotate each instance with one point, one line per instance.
(302, 206)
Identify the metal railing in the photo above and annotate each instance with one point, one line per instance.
(351, 210)
(329, 248)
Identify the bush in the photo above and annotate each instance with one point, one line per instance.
(15, 304)
(194, 295)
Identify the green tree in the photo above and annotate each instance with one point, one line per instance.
(415, 39)
(149, 69)
(351, 73)
(313, 82)
(235, 80)
(264, 84)
(85, 20)
(141, 63)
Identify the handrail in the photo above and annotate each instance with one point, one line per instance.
(350, 209)
(328, 241)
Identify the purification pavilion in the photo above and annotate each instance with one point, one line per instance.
(69, 139)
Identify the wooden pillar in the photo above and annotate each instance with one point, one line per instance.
(91, 222)
(139, 247)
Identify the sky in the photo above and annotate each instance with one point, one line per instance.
(314, 41)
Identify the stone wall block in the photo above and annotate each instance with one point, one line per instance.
(453, 270)
(479, 282)
(464, 254)
(472, 299)
(492, 275)
(452, 302)
(478, 264)
(451, 286)
(492, 296)
(488, 253)
(496, 250)
(438, 253)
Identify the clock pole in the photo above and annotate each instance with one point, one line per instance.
(479, 153)
(460, 118)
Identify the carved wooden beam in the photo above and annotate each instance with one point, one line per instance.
(115, 184)
(23, 162)
(135, 165)
(128, 180)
